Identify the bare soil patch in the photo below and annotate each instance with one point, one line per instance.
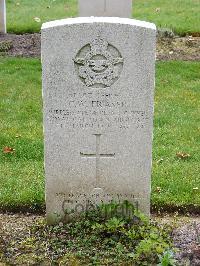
(185, 48)
(14, 228)
(171, 48)
(26, 45)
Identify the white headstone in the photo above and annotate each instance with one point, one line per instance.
(2, 16)
(98, 83)
(105, 8)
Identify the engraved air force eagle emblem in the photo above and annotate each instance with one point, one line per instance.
(98, 64)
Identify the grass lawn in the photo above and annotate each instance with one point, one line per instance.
(21, 173)
(181, 16)
(176, 129)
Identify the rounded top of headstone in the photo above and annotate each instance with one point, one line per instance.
(87, 20)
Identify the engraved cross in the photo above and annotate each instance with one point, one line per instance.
(98, 156)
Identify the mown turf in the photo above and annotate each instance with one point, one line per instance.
(181, 16)
(21, 173)
(175, 182)
(176, 130)
(22, 14)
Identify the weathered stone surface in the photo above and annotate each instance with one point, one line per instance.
(105, 8)
(2, 16)
(98, 81)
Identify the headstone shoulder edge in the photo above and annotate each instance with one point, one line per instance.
(90, 20)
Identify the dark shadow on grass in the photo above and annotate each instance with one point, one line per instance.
(190, 209)
(24, 209)
(157, 210)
